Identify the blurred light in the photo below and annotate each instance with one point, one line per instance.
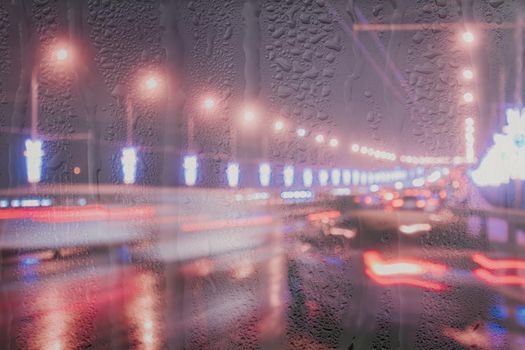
(34, 156)
(355, 147)
(209, 103)
(468, 97)
(82, 201)
(308, 177)
(467, 37)
(319, 138)
(469, 121)
(265, 174)
(288, 175)
(297, 195)
(151, 83)
(333, 142)
(492, 279)
(435, 176)
(520, 315)
(398, 185)
(324, 215)
(414, 228)
(499, 312)
(347, 177)
(323, 177)
(341, 191)
(46, 202)
(233, 174)
(498, 264)
(29, 203)
(76, 170)
(355, 177)
(4, 203)
(62, 54)
(374, 188)
(403, 271)
(398, 203)
(345, 232)
(364, 149)
(301, 132)
(190, 165)
(279, 125)
(419, 182)
(249, 116)
(336, 177)
(468, 74)
(15, 203)
(129, 165)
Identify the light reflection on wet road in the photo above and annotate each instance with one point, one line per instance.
(296, 290)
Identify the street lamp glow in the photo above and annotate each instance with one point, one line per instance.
(301, 132)
(335, 176)
(249, 116)
(151, 83)
(34, 156)
(279, 125)
(347, 177)
(355, 147)
(468, 74)
(467, 37)
(209, 104)
(333, 142)
(319, 138)
(323, 177)
(62, 54)
(468, 97)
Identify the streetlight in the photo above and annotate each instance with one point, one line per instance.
(467, 37)
(33, 146)
(301, 132)
(468, 74)
(355, 147)
(148, 89)
(468, 97)
(333, 142)
(319, 138)
(279, 125)
(249, 116)
(209, 104)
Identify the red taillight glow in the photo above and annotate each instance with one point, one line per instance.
(403, 271)
(490, 278)
(420, 203)
(334, 214)
(493, 264)
(77, 214)
(397, 203)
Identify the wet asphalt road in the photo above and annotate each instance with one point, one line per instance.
(302, 289)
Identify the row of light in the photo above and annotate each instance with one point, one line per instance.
(469, 140)
(280, 126)
(372, 152)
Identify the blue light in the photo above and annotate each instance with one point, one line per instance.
(29, 261)
(323, 177)
(34, 156)
(499, 312)
(288, 175)
(496, 329)
(190, 165)
(336, 177)
(129, 165)
(308, 177)
(82, 202)
(347, 177)
(46, 202)
(520, 315)
(4, 203)
(265, 174)
(233, 174)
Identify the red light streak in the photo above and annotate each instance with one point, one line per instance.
(94, 212)
(493, 264)
(492, 279)
(324, 215)
(402, 271)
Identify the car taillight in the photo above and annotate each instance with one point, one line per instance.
(397, 203)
